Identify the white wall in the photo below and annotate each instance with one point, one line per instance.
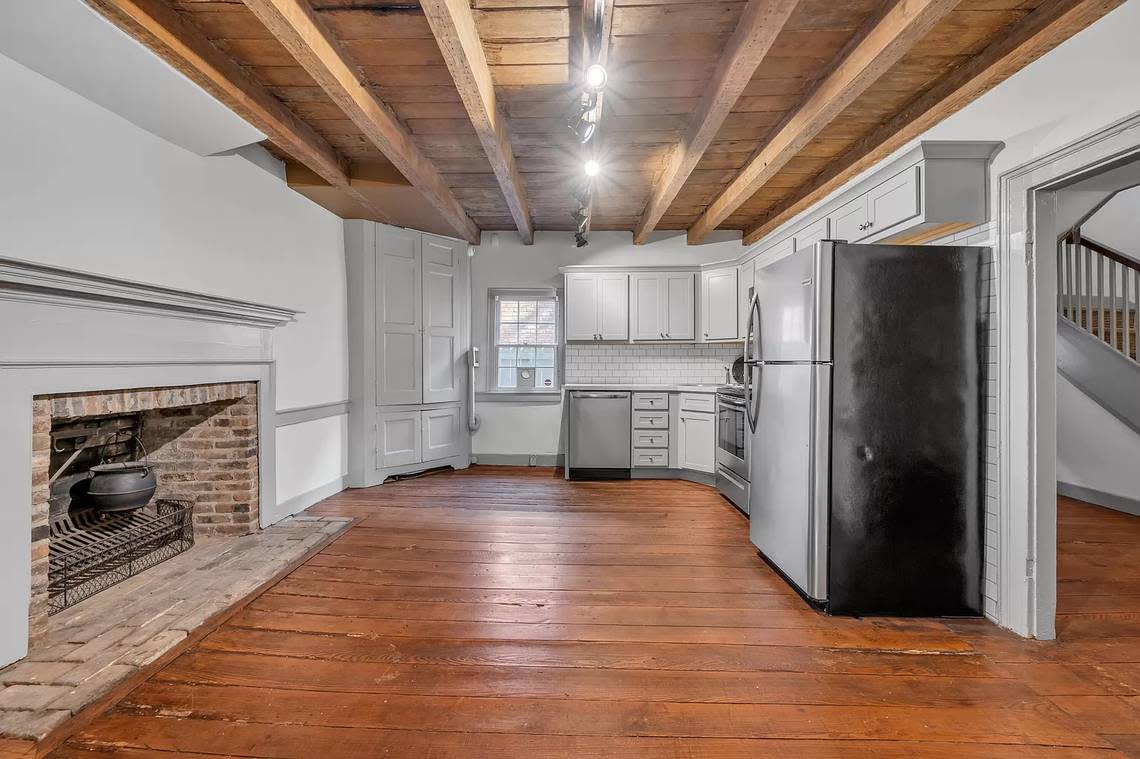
(1095, 450)
(83, 188)
(501, 260)
(1117, 223)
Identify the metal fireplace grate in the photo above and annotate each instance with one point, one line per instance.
(89, 552)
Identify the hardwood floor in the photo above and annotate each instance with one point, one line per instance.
(499, 613)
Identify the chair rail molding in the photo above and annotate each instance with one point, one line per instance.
(1028, 203)
(43, 283)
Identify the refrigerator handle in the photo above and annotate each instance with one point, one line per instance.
(751, 399)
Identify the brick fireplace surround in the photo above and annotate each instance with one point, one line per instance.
(203, 438)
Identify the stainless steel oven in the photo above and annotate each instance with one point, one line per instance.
(733, 444)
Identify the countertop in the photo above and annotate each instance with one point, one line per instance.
(710, 389)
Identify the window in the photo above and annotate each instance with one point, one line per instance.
(525, 336)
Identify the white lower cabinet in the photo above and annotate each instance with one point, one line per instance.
(440, 433)
(399, 438)
(696, 441)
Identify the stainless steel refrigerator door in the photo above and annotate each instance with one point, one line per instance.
(788, 498)
(794, 297)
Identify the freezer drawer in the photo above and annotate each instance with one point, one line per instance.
(788, 498)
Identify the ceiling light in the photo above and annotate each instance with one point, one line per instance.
(581, 219)
(592, 168)
(583, 126)
(596, 76)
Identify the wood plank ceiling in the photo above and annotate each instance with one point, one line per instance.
(775, 102)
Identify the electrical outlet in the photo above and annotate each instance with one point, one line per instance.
(534, 460)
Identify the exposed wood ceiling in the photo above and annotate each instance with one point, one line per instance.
(774, 103)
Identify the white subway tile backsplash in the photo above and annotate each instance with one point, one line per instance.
(647, 363)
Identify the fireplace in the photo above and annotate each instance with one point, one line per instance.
(202, 442)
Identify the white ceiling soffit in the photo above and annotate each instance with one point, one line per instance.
(68, 42)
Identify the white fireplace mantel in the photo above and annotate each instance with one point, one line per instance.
(64, 331)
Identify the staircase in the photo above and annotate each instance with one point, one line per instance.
(1098, 290)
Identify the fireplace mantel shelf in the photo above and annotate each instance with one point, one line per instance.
(29, 281)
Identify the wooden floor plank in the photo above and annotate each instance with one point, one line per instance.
(498, 612)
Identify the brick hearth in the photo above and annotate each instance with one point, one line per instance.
(203, 438)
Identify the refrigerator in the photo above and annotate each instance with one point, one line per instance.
(864, 396)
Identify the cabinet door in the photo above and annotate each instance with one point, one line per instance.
(812, 233)
(894, 201)
(745, 286)
(718, 304)
(444, 298)
(440, 433)
(613, 306)
(581, 307)
(846, 222)
(697, 442)
(399, 317)
(398, 438)
(680, 318)
(647, 306)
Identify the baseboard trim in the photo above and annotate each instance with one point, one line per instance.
(302, 501)
(1100, 498)
(517, 459)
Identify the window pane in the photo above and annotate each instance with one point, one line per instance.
(544, 377)
(526, 356)
(526, 310)
(545, 334)
(508, 334)
(508, 310)
(506, 378)
(546, 311)
(544, 357)
(528, 334)
(507, 356)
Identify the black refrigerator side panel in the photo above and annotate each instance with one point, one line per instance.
(907, 516)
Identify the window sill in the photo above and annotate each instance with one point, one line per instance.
(545, 396)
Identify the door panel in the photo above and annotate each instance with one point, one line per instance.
(812, 233)
(581, 307)
(894, 201)
(719, 304)
(697, 441)
(440, 433)
(680, 312)
(786, 467)
(846, 222)
(794, 296)
(444, 285)
(613, 306)
(647, 307)
(398, 438)
(399, 317)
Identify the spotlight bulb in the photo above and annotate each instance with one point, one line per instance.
(592, 168)
(596, 76)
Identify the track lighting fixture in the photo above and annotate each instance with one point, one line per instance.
(596, 76)
(584, 125)
(580, 240)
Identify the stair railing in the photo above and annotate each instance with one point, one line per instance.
(1098, 289)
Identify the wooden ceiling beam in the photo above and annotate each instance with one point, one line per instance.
(883, 43)
(1053, 22)
(296, 26)
(453, 25)
(184, 47)
(759, 25)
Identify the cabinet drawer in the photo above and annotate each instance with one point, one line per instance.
(651, 439)
(650, 401)
(650, 457)
(651, 420)
(698, 402)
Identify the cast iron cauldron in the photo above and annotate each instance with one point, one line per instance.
(121, 486)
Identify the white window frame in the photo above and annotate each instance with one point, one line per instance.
(494, 295)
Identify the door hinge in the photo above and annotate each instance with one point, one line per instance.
(1030, 568)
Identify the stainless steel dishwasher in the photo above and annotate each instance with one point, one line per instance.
(599, 435)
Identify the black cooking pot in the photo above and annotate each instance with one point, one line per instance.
(122, 486)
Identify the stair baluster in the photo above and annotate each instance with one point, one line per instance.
(1098, 290)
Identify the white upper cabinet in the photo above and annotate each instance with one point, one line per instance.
(443, 291)
(662, 305)
(399, 317)
(597, 306)
(849, 222)
(894, 201)
(813, 233)
(719, 314)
